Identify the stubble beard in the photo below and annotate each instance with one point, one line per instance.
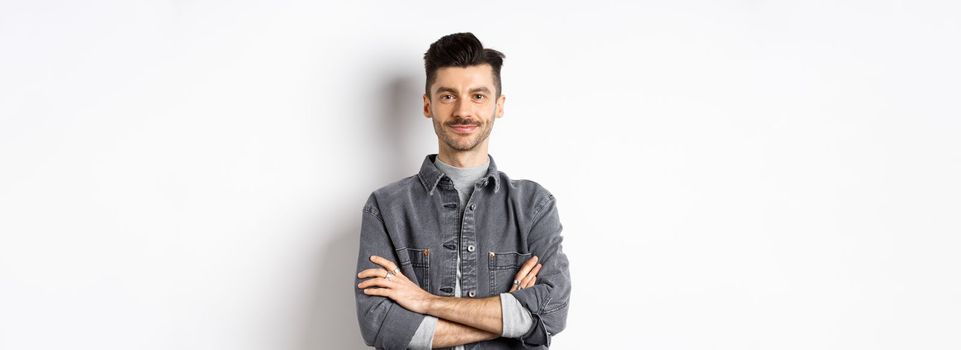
(459, 143)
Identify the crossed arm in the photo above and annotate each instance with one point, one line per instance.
(460, 320)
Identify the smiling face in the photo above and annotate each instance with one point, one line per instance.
(463, 104)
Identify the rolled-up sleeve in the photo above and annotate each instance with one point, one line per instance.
(383, 323)
(515, 317)
(547, 300)
(424, 336)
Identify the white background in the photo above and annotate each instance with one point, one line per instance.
(746, 175)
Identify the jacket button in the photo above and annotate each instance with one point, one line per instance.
(472, 207)
(470, 248)
(471, 294)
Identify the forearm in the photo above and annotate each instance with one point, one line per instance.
(483, 314)
(449, 334)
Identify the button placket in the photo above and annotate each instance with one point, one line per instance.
(469, 268)
(447, 274)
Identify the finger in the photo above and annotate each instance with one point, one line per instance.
(519, 282)
(376, 282)
(531, 277)
(387, 264)
(525, 268)
(536, 270)
(372, 273)
(528, 282)
(384, 292)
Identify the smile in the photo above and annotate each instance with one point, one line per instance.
(463, 129)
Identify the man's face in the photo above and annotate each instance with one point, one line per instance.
(463, 105)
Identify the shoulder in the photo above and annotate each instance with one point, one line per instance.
(397, 188)
(530, 193)
(393, 192)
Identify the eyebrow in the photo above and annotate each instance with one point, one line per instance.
(454, 91)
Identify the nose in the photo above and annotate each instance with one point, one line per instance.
(462, 109)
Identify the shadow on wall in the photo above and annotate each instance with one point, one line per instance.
(333, 320)
(402, 118)
(333, 323)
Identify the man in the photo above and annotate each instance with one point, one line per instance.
(460, 254)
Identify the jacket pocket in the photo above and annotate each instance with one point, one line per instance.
(419, 261)
(503, 266)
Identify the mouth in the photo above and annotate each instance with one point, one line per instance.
(464, 129)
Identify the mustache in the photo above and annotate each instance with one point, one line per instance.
(463, 121)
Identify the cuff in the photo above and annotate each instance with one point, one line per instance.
(397, 328)
(516, 319)
(424, 336)
(534, 299)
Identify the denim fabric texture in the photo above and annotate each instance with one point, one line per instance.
(417, 223)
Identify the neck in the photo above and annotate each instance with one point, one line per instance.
(463, 159)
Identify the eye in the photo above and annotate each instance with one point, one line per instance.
(479, 97)
(446, 97)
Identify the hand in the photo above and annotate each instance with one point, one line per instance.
(395, 286)
(527, 275)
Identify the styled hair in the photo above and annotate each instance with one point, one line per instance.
(461, 50)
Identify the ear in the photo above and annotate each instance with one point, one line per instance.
(500, 106)
(426, 106)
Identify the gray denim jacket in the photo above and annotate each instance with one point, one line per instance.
(416, 222)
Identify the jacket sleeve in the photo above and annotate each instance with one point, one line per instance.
(548, 299)
(383, 323)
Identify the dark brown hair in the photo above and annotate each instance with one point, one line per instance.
(461, 50)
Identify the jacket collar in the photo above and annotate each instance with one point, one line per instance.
(430, 176)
